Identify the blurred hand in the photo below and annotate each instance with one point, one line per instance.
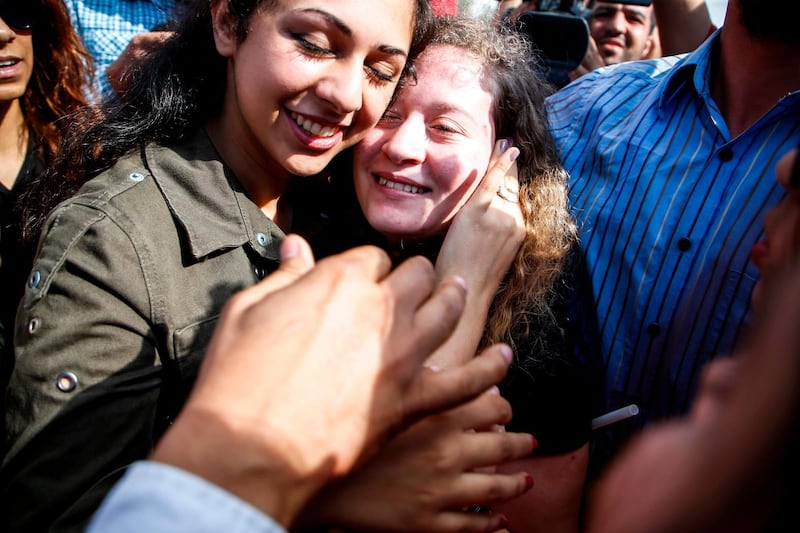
(316, 366)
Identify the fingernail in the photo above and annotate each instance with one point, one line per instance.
(535, 442)
(503, 145)
(514, 154)
(494, 391)
(289, 249)
(507, 353)
(435, 368)
(461, 281)
(528, 481)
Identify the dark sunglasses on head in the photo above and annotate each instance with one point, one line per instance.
(18, 14)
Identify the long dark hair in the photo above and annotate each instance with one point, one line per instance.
(62, 71)
(176, 89)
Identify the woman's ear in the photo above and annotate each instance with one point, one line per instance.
(224, 27)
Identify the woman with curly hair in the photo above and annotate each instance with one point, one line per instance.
(412, 174)
(44, 74)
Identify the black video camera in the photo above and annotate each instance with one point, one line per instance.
(559, 31)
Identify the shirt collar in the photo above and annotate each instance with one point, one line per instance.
(694, 68)
(207, 200)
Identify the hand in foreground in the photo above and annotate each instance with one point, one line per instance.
(426, 477)
(314, 367)
(480, 246)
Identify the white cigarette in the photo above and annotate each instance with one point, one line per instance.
(615, 416)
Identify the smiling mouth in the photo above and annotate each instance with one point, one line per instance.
(313, 128)
(8, 63)
(401, 186)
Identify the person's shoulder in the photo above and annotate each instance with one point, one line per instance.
(645, 71)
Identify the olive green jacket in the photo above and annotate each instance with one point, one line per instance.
(128, 283)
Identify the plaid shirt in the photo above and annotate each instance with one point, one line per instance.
(107, 26)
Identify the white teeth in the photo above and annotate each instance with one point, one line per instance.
(8, 63)
(313, 128)
(399, 186)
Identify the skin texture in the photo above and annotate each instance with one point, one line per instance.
(436, 138)
(17, 46)
(311, 58)
(275, 416)
(622, 31)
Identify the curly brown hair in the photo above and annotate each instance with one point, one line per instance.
(510, 69)
(62, 72)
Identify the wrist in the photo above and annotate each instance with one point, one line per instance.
(252, 465)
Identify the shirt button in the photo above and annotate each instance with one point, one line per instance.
(261, 239)
(725, 155)
(136, 176)
(66, 381)
(654, 330)
(33, 325)
(684, 244)
(34, 280)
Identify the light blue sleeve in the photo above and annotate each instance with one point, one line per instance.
(156, 497)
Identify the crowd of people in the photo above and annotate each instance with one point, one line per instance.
(267, 267)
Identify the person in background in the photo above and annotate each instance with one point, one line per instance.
(621, 32)
(410, 177)
(42, 83)
(264, 429)
(626, 32)
(117, 33)
(668, 160)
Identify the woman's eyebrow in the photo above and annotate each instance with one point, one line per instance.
(348, 31)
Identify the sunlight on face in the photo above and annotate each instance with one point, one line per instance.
(427, 155)
(309, 80)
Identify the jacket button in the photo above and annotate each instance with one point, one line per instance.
(654, 330)
(684, 244)
(33, 325)
(261, 239)
(136, 176)
(66, 381)
(34, 280)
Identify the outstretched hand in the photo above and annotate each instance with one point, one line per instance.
(315, 367)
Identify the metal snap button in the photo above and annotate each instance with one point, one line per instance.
(66, 381)
(33, 325)
(136, 176)
(262, 239)
(35, 279)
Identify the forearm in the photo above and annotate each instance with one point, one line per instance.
(259, 458)
(682, 24)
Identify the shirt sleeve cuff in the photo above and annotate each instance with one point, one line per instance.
(157, 497)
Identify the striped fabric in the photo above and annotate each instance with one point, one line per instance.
(107, 26)
(669, 208)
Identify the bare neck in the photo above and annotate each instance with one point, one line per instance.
(13, 141)
(752, 74)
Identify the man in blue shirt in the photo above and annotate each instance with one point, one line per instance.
(108, 26)
(671, 172)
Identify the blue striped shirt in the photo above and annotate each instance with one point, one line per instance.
(107, 26)
(669, 207)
